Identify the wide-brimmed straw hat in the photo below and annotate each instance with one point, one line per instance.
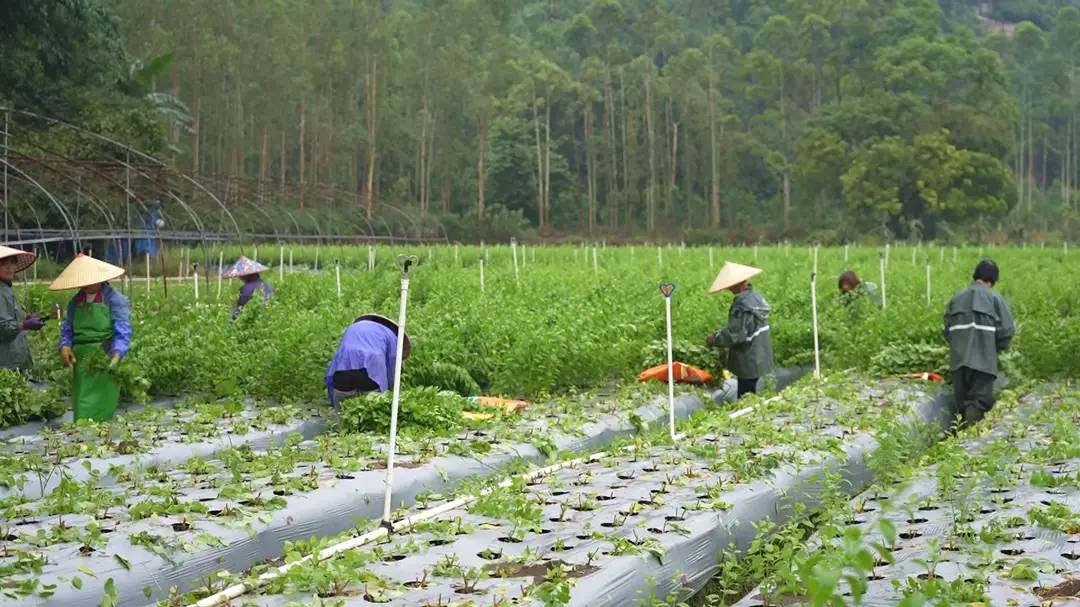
(389, 324)
(25, 258)
(732, 274)
(244, 267)
(84, 271)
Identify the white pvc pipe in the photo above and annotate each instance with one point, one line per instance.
(316, 259)
(710, 258)
(290, 260)
(881, 262)
(522, 253)
(195, 276)
(670, 368)
(813, 307)
(482, 274)
(845, 253)
(755, 253)
(220, 271)
(595, 265)
(660, 255)
(928, 302)
(148, 287)
(815, 259)
(395, 403)
(455, 254)
(513, 249)
(281, 262)
(337, 276)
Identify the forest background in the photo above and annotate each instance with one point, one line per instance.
(700, 120)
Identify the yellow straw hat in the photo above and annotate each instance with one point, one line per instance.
(732, 274)
(84, 271)
(25, 258)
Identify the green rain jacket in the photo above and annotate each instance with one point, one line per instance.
(14, 348)
(978, 325)
(746, 336)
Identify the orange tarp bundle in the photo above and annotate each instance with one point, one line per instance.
(508, 406)
(924, 376)
(684, 373)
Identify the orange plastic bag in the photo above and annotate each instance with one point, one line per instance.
(684, 373)
(924, 376)
(507, 405)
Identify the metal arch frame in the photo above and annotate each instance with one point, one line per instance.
(153, 160)
(101, 207)
(64, 212)
(419, 232)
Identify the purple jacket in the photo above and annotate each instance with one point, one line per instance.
(365, 345)
(248, 291)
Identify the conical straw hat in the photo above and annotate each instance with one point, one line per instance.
(26, 259)
(84, 271)
(389, 324)
(732, 274)
(244, 267)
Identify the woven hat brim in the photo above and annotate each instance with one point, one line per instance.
(248, 269)
(389, 324)
(83, 272)
(25, 258)
(732, 274)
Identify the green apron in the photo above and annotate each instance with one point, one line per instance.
(94, 394)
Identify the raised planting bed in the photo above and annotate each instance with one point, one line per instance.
(619, 527)
(159, 527)
(992, 519)
(32, 464)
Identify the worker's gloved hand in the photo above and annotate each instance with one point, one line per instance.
(710, 339)
(67, 356)
(32, 323)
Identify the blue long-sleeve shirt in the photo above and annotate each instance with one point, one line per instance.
(365, 345)
(119, 311)
(248, 291)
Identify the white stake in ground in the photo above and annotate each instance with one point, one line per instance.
(281, 263)
(455, 254)
(667, 289)
(316, 259)
(928, 302)
(482, 272)
(710, 258)
(522, 253)
(371, 258)
(813, 307)
(815, 259)
(195, 277)
(513, 248)
(220, 271)
(845, 253)
(881, 262)
(595, 265)
(660, 256)
(913, 250)
(290, 260)
(148, 273)
(404, 263)
(337, 276)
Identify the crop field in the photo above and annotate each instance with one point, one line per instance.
(227, 478)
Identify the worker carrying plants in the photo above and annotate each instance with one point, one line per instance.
(95, 335)
(365, 359)
(852, 289)
(14, 348)
(746, 335)
(248, 271)
(978, 326)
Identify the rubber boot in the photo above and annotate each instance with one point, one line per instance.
(973, 414)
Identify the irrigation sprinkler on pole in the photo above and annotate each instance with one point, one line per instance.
(221, 271)
(337, 276)
(667, 289)
(813, 307)
(881, 263)
(404, 263)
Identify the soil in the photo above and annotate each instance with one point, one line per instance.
(537, 571)
(1067, 589)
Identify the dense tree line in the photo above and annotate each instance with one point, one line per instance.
(748, 118)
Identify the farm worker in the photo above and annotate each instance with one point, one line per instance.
(746, 335)
(14, 348)
(248, 271)
(365, 359)
(853, 289)
(98, 320)
(978, 326)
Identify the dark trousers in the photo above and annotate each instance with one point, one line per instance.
(747, 385)
(973, 393)
(354, 381)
